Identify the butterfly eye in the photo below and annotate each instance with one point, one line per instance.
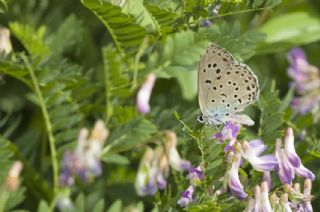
(200, 119)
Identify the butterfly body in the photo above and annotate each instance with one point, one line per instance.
(225, 87)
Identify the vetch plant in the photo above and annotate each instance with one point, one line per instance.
(91, 94)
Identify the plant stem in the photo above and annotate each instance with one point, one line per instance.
(236, 13)
(47, 123)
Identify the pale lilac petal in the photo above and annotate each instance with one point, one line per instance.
(290, 149)
(258, 146)
(265, 203)
(149, 189)
(257, 199)
(262, 163)
(267, 178)
(285, 203)
(186, 197)
(206, 23)
(307, 192)
(302, 171)
(144, 94)
(195, 175)
(229, 146)
(234, 181)
(229, 131)
(161, 181)
(175, 160)
(286, 170)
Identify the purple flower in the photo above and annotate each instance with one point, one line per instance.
(306, 81)
(84, 161)
(290, 150)
(161, 181)
(285, 171)
(175, 160)
(265, 203)
(307, 193)
(205, 23)
(228, 132)
(144, 94)
(267, 178)
(257, 198)
(186, 197)
(233, 178)
(302, 171)
(304, 74)
(145, 180)
(306, 103)
(289, 162)
(195, 175)
(252, 154)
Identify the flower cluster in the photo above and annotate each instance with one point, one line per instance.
(291, 198)
(154, 166)
(214, 12)
(84, 161)
(285, 162)
(289, 162)
(306, 81)
(195, 176)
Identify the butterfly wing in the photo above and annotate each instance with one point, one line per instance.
(241, 88)
(210, 66)
(226, 90)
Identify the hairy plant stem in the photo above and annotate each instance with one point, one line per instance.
(47, 123)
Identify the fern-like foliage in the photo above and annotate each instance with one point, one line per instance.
(271, 118)
(164, 18)
(126, 34)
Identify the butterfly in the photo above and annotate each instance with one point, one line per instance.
(225, 88)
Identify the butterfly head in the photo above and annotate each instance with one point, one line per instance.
(212, 121)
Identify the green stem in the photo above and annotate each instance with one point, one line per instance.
(139, 54)
(237, 12)
(47, 123)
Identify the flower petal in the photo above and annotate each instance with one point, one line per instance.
(144, 94)
(234, 181)
(302, 171)
(290, 149)
(258, 146)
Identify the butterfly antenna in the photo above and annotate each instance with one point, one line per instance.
(185, 126)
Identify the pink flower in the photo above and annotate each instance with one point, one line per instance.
(144, 94)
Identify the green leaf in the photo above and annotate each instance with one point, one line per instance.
(164, 18)
(31, 39)
(179, 59)
(271, 118)
(43, 207)
(124, 32)
(66, 36)
(130, 135)
(288, 30)
(3, 6)
(115, 207)
(99, 206)
(80, 203)
(115, 158)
